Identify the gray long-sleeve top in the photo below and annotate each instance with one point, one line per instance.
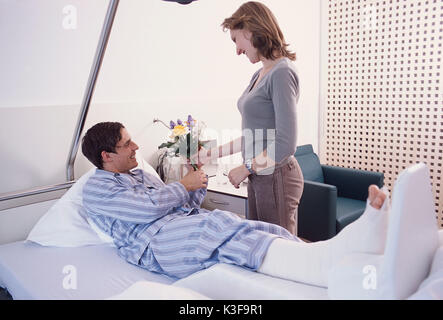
(269, 117)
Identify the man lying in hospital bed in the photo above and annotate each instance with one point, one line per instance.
(162, 228)
(337, 268)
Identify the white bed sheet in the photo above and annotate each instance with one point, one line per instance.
(230, 282)
(31, 271)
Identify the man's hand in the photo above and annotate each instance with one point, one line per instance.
(237, 175)
(194, 180)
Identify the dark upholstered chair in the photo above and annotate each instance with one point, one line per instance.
(332, 197)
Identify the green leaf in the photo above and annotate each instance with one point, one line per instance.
(166, 145)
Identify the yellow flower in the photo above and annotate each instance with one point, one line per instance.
(179, 131)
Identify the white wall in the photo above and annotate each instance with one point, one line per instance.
(44, 68)
(163, 60)
(190, 66)
(44, 62)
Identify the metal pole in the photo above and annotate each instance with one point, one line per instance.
(35, 191)
(98, 59)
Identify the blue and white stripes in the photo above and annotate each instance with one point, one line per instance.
(131, 208)
(189, 244)
(160, 227)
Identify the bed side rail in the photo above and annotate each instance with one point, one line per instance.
(25, 197)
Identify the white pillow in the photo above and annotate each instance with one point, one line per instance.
(142, 164)
(66, 224)
(148, 290)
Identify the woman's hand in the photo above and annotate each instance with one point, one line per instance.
(237, 175)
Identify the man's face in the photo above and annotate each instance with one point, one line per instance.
(123, 159)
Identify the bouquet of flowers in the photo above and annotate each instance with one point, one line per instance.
(184, 139)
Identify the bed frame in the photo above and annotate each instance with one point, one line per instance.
(4, 294)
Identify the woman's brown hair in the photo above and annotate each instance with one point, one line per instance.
(267, 37)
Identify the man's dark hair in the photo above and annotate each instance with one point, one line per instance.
(103, 136)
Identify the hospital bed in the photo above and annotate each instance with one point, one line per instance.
(94, 270)
(31, 271)
(63, 244)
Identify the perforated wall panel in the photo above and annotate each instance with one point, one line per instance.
(383, 92)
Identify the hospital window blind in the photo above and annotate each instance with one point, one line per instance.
(382, 97)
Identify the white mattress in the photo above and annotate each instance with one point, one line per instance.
(31, 271)
(229, 282)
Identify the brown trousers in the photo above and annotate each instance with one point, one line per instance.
(275, 197)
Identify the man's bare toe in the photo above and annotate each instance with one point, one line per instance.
(376, 197)
(381, 197)
(373, 190)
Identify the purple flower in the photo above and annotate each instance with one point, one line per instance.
(172, 124)
(191, 121)
(179, 122)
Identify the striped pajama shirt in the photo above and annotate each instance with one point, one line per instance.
(163, 229)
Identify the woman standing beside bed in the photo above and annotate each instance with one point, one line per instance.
(269, 122)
